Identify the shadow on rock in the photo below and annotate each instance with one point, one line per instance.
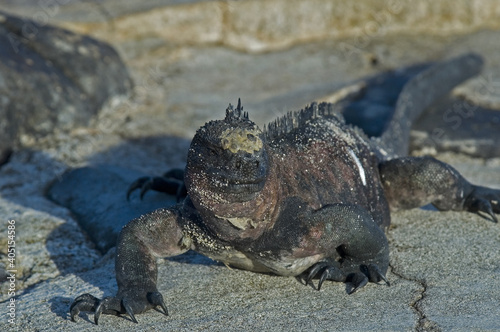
(96, 194)
(457, 125)
(451, 124)
(59, 305)
(373, 110)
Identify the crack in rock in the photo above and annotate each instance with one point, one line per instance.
(424, 324)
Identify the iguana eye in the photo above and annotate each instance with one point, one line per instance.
(212, 152)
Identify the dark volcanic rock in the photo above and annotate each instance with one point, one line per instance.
(52, 78)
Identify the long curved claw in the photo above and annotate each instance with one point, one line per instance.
(138, 184)
(328, 272)
(168, 184)
(97, 313)
(357, 281)
(485, 200)
(314, 271)
(129, 310)
(355, 278)
(331, 273)
(145, 188)
(484, 205)
(156, 299)
(108, 305)
(376, 275)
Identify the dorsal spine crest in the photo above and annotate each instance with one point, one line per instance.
(293, 120)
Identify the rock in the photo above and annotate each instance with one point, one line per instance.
(455, 124)
(262, 25)
(46, 246)
(52, 80)
(48, 240)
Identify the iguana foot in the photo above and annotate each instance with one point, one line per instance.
(171, 183)
(116, 305)
(85, 302)
(482, 199)
(355, 280)
(328, 272)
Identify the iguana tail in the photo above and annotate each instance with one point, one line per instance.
(421, 92)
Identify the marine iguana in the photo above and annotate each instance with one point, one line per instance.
(309, 195)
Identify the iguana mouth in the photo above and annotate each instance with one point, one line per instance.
(236, 188)
(235, 183)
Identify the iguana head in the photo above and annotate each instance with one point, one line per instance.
(227, 160)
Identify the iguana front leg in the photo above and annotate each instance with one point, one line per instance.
(338, 242)
(416, 181)
(351, 234)
(157, 234)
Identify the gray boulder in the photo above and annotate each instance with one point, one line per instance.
(52, 79)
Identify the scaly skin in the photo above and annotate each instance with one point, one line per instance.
(308, 195)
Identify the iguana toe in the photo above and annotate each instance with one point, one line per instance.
(108, 305)
(331, 273)
(84, 302)
(325, 271)
(375, 274)
(484, 200)
(128, 309)
(314, 271)
(143, 183)
(156, 299)
(356, 281)
(169, 185)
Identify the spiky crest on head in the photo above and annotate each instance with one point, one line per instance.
(235, 133)
(235, 115)
(242, 134)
